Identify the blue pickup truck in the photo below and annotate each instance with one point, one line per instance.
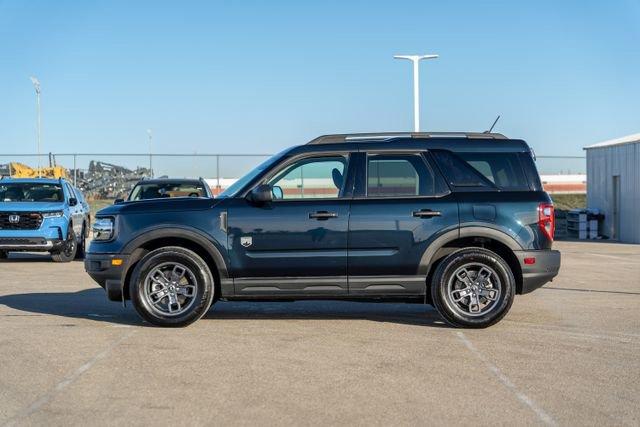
(39, 215)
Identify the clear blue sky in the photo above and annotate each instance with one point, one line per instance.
(259, 76)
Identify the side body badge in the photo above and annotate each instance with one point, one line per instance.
(246, 241)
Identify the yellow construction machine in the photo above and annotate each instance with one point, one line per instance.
(19, 170)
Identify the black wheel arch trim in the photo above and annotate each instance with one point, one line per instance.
(460, 233)
(187, 233)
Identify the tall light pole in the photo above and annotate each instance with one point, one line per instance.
(416, 85)
(36, 85)
(150, 155)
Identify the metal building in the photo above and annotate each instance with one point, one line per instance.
(613, 186)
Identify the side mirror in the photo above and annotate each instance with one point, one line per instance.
(277, 192)
(73, 201)
(261, 194)
(118, 201)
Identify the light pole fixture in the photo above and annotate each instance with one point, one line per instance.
(416, 85)
(36, 85)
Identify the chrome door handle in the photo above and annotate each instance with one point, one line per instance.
(321, 215)
(426, 213)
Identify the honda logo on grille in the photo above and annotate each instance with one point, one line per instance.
(14, 219)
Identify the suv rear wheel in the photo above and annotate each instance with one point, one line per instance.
(473, 288)
(172, 286)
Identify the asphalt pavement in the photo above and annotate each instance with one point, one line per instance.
(567, 354)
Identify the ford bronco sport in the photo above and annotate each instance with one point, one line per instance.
(459, 221)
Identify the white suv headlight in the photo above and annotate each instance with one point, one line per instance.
(103, 229)
(54, 214)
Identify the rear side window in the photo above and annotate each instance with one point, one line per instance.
(400, 175)
(501, 170)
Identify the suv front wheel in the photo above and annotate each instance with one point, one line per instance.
(69, 248)
(473, 288)
(172, 286)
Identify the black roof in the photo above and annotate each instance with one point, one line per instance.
(390, 141)
(171, 181)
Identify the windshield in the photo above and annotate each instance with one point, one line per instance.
(157, 190)
(234, 188)
(30, 192)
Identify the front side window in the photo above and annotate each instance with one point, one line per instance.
(28, 192)
(400, 175)
(311, 178)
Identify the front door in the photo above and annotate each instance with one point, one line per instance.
(296, 244)
(400, 206)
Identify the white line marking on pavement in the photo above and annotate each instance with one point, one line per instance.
(542, 415)
(68, 380)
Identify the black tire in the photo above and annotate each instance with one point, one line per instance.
(460, 296)
(4, 254)
(82, 244)
(67, 252)
(142, 287)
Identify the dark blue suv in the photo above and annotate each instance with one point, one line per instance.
(459, 221)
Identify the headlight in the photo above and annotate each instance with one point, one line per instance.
(55, 214)
(103, 229)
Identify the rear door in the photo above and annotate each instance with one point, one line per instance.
(401, 204)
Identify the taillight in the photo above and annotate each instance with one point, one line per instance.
(547, 219)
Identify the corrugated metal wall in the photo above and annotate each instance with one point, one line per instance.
(603, 164)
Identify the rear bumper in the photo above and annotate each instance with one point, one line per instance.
(545, 268)
(35, 244)
(107, 275)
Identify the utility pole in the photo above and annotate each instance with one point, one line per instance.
(150, 155)
(36, 85)
(416, 85)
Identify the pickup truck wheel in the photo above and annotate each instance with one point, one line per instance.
(4, 254)
(69, 248)
(172, 286)
(473, 288)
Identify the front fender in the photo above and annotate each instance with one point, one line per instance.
(213, 248)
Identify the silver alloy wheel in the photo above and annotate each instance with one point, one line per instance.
(170, 289)
(474, 289)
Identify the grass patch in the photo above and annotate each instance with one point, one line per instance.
(569, 201)
(96, 205)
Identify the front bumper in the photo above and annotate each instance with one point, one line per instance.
(111, 277)
(35, 244)
(545, 268)
(50, 236)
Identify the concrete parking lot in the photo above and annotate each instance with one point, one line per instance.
(568, 354)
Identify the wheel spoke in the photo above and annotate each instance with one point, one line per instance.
(474, 304)
(177, 274)
(463, 276)
(461, 294)
(186, 290)
(490, 294)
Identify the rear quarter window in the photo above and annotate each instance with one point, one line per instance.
(486, 171)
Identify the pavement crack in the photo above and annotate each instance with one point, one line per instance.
(66, 381)
(526, 400)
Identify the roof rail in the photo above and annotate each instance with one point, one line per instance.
(385, 136)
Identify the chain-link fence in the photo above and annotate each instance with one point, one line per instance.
(112, 175)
